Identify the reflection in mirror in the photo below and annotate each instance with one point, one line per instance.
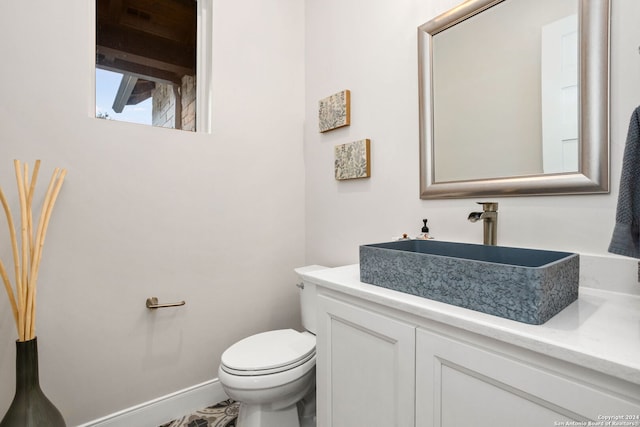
(489, 95)
(514, 99)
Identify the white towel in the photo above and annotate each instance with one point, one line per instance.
(626, 234)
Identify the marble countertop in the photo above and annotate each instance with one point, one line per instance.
(600, 331)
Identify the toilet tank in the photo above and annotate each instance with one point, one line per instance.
(308, 298)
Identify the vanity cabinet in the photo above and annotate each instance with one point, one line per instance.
(379, 366)
(463, 384)
(365, 367)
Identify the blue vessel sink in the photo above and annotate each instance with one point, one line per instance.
(525, 285)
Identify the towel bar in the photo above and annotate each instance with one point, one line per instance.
(153, 303)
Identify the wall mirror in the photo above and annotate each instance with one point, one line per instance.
(514, 99)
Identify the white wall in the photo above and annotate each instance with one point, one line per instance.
(216, 220)
(370, 48)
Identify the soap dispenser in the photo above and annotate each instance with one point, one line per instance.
(424, 235)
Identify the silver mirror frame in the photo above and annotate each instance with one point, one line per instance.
(593, 176)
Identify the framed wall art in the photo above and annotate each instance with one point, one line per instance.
(353, 160)
(335, 111)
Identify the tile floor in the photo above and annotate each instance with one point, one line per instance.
(223, 414)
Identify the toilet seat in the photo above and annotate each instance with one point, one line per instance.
(248, 382)
(269, 353)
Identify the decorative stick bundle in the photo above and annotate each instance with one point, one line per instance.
(27, 256)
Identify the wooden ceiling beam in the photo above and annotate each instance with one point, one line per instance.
(105, 54)
(127, 83)
(138, 70)
(140, 44)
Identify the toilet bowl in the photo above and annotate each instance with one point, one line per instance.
(272, 374)
(269, 373)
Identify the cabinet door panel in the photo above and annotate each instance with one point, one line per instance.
(365, 368)
(468, 399)
(461, 384)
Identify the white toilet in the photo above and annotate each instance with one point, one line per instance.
(272, 374)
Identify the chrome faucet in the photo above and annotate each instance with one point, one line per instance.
(489, 216)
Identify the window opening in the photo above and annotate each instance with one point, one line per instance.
(146, 62)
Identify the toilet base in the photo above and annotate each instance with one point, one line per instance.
(308, 422)
(300, 414)
(253, 415)
(307, 409)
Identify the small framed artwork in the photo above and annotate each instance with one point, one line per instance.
(335, 111)
(353, 160)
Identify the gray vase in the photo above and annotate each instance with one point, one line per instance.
(30, 407)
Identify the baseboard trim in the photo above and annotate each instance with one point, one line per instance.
(166, 408)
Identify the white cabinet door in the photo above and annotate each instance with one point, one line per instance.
(365, 367)
(459, 384)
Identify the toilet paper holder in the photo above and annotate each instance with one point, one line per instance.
(153, 303)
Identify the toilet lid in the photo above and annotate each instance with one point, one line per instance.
(270, 351)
